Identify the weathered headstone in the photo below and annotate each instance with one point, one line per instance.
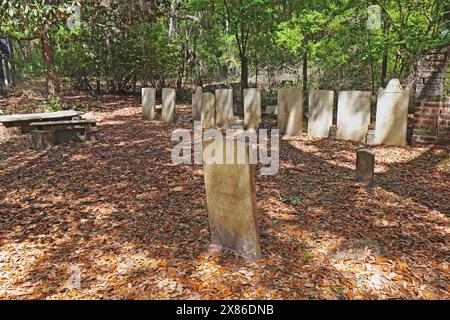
(168, 105)
(272, 110)
(290, 111)
(365, 165)
(392, 114)
(231, 200)
(148, 103)
(353, 116)
(197, 103)
(42, 139)
(252, 108)
(320, 112)
(208, 117)
(224, 106)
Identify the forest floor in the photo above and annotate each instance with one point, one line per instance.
(117, 220)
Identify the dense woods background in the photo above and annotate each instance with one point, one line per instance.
(118, 45)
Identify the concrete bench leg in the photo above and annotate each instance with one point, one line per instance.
(42, 139)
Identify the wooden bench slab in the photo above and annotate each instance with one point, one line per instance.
(40, 116)
(63, 123)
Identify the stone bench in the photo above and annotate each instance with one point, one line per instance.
(49, 133)
(20, 123)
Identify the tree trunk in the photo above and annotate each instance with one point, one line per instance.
(47, 54)
(244, 79)
(305, 72)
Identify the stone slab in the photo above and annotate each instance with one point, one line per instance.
(365, 165)
(197, 103)
(290, 111)
(252, 108)
(168, 105)
(231, 201)
(148, 103)
(320, 112)
(392, 115)
(40, 116)
(208, 115)
(353, 116)
(224, 106)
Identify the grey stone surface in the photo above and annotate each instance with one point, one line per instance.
(392, 115)
(252, 108)
(224, 107)
(208, 117)
(168, 105)
(290, 111)
(365, 165)
(353, 116)
(148, 103)
(320, 112)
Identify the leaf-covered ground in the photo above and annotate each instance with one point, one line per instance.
(118, 216)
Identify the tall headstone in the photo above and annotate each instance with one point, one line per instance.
(168, 105)
(224, 106)
(353, 116)
(290, 111)
(365, 165)
(252, 108)
(231, 199)
(392, 114)
(208, 117)
(148, 103)
(320, 112)
(197, 103)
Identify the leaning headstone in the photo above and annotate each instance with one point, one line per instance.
(208, 117)
(392, 115)
(148, 103)
(197, 103)
(353, 116)
(320, 112)
(224, 106)
(231, 199)
(290, 111)
(252, 108)
(365, 165)
(168, 105)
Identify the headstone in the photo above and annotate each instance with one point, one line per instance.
(197, 103)
(272, 110)
(353, 116)
(392, 115)
(168, 105)
(208, 117)
(224, 106)
(290, 111)
(148, 103)
(365, 165)
(252, 108)
(320, 112)
(231, 201)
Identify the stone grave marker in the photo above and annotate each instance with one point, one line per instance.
(290, 111)
(320, 112)
(365, 165)
(224, 107)
(353, 116)
(252, 108)
(168, 105)
(392, 114)
(231, 199)
(148, 103)
(208, 115)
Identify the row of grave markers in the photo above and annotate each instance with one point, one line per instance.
(353, 113)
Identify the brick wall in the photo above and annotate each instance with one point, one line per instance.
(432, 100)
